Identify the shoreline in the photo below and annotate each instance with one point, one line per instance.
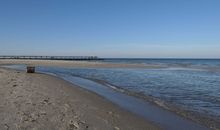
(138, 104)
(88, 64)
(196, 117)
(79, 64)
(42, 101)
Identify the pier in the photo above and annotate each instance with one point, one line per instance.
(51, 57)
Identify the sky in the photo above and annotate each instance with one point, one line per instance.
(111, 28)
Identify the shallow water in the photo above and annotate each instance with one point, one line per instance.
(214, 63)
(189, 83)
(194, 90)
(192, 85)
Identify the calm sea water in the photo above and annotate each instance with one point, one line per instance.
(199, 63)
(190, 84)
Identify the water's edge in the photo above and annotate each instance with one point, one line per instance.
(164, 118)
(194, 116)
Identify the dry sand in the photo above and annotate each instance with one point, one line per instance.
(43, 102)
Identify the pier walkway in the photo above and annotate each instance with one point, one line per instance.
(52, 57)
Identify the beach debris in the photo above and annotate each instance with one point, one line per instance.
(73, 125)
(116, 128)
(46, 101)
(30, 69)
(110, 112)
(82, 122)
(66, 105)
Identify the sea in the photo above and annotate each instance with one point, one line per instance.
(190, 83)
(187, 86)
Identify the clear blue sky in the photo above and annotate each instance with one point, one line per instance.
(111, 28)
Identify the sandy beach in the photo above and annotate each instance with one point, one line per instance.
(80, 64)
(42, 102)
(109, 65)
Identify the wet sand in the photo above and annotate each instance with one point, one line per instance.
(79, 64)
(39, 101)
